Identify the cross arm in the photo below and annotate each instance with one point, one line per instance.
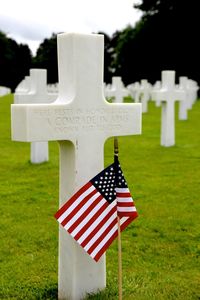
(34, 98)
(159, 94)
(47, 122)
(124, 119)
(39, 122)
(179, 94)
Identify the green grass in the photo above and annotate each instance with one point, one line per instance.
(161, 249)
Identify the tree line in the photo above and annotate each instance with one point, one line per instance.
(165, 38)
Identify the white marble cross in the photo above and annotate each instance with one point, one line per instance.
(183, 105)
(168, 94)
(36, 92)
(145, 90)
(192, 92)
(117, 90)
(156, 87)
(81, 120)
(142, 94)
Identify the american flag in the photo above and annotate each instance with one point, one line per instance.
(90, 215)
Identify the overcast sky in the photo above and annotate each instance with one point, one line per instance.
(30, 21)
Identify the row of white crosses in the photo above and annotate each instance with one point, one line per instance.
(33, 89)
(144, 91)
(165, 93)
(81, 120)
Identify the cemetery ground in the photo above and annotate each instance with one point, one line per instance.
(160, 249)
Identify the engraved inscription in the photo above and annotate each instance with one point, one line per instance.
(73, 120)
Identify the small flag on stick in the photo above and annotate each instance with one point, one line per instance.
(91, 215)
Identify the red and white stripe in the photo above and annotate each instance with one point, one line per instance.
(125, 204)
(91, 220)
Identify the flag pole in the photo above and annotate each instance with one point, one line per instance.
(116, 151)
(119, 260)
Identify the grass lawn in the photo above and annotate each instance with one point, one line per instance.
(161, 248)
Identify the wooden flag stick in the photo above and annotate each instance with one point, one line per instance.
(116, 147)
(119, 260)
(116, 151)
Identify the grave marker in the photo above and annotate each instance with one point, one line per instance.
(145, 89)
(81, 120)
(143, 94)
(35, 91)
(117, 90)
(168, 94)
(192, 92)
(183, 105)
(156, 87)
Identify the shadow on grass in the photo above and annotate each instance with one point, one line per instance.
(50, 293)
(107, 294)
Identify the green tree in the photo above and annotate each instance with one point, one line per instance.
(46, 58)
(165, 38)
(15, 61)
